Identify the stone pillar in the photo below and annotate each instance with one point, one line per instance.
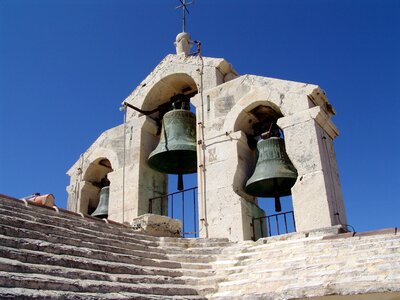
(141, 182)
(317, 196)
(224, 207)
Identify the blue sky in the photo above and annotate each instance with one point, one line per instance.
(66, 65)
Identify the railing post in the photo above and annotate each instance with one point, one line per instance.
(194, 211)
(183, 213)
(254, 231)
(172, 203)
(269, 226)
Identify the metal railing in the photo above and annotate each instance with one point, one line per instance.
(180, 205)
(276, 224)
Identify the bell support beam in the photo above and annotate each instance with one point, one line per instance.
(317, 196)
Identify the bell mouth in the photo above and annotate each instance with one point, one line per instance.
(269, 188)
(100, 216)
(174, 162)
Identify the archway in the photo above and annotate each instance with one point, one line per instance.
(254, 121)
(95, 178)
(171, 92)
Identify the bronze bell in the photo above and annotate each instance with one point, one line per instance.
(176, 151)
(102, 208)
(274, 174)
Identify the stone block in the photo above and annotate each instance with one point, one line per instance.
(157, 225)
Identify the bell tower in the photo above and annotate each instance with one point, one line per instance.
(251, 137)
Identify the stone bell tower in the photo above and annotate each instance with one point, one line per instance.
(228, 108)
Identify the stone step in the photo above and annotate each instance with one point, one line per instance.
(310, 255)
(101, 230)
(193, 245)
(194, 241)
(38, 257)
(29, 294)
(60, 249)
(39, 241)
(192, 258)
(129, 249)
(90, 222)
(15, 266)
(67, 217)
(94, 237)
(44, 282)
(196, 266)
(50, 230)
(201, 251)
(90, 226)
(96, 252)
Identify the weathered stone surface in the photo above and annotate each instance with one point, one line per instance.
(42, 253)
(157, 225)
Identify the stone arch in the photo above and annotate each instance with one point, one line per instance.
(241, 119)
(168, 86)
(243, 115)
(99, 153)
(94, 179)
(151, 182)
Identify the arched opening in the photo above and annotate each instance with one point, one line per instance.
(170, 97)
(95, 178)
(258, 122)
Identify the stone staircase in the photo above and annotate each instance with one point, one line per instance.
(45, 254)
(313, 265)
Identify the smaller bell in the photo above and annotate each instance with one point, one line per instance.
(102, 209)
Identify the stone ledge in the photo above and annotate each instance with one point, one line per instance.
(337, 230)
(392, 231)
(157, 225)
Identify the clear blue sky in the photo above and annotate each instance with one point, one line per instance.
(66, 65)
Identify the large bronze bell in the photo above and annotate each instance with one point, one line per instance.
(274, 174)
(102, 208)
(176, 151)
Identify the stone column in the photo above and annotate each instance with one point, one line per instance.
(317, 196)
(141, 182)
(226, 209)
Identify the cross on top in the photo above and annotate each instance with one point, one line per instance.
(184, 11)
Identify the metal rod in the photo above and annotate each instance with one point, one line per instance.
(261, 228)
(183, 214)
(294, 222)
(277, 224)
(254, 231)
(172, 209)
(284, 217)
(145, 112)
(174, 193)
(269, 227)
(194, 210)
(123, 169)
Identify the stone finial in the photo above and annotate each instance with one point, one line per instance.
(183, 43)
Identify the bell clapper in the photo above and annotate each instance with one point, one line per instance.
(180, 182)
(278, 207)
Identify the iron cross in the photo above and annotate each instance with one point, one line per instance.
(184, 11)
